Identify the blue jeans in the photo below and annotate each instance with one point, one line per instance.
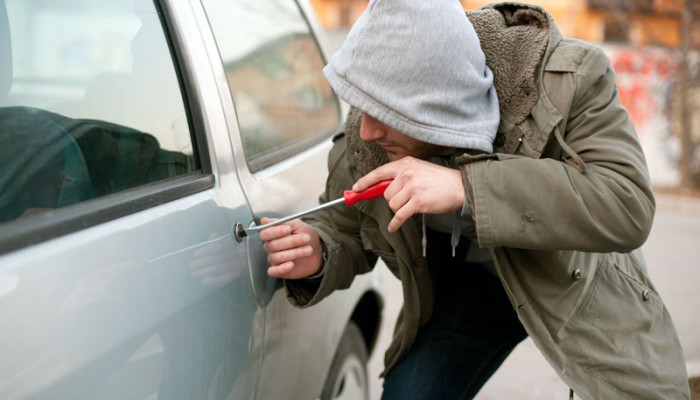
(472, 331)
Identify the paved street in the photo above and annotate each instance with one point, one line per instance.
(673, 265)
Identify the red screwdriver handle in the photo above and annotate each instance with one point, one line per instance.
(372, 192)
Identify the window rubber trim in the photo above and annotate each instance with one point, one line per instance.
(19, 234)
(191, 99)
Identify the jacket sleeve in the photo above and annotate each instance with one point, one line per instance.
(547, 204)
(339, 229)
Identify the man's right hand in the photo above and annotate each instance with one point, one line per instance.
(293, 249)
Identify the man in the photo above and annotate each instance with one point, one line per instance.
(539, 237)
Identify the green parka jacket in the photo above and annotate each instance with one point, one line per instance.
(564, 203)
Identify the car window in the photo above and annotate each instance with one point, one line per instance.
(274, 70)
(90, 103)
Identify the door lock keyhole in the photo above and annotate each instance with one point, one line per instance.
(239, 232)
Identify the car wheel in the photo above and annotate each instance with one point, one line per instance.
(347, 378)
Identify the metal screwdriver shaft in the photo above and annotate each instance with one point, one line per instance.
(349, 198)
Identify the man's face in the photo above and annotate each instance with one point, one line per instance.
(396, 144)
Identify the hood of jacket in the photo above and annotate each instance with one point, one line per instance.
(515, 38)
(387, 68)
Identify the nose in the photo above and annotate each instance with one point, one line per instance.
(371, 128)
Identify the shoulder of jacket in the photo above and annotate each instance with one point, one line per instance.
(338, 149)
(573, 55)
(337, 136)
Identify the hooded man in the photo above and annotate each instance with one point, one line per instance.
(511, 215)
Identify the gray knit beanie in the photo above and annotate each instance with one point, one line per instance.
(417, 66)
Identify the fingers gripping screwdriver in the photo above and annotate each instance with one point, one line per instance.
(349, 198)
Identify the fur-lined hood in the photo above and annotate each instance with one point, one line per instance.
(514, 38)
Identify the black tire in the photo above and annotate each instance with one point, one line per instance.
(347, 377)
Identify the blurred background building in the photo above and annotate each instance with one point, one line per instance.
(654, 46)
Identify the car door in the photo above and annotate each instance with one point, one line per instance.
(282, 114)
(118, 274)
(281, 111)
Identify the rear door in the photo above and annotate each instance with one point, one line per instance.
(282, 114)
(118, 277)
(281, 110)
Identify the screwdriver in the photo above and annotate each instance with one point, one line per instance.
(349, 198)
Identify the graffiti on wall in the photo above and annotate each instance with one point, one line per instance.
(645, 78)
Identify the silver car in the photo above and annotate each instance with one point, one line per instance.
(136, 137)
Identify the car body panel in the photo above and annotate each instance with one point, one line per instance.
(83, 302)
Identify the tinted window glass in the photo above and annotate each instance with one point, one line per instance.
(90, 103)
(274, 71)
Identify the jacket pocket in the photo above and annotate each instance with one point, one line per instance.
(626, 311)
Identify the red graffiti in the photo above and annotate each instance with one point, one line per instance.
(642, 76)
